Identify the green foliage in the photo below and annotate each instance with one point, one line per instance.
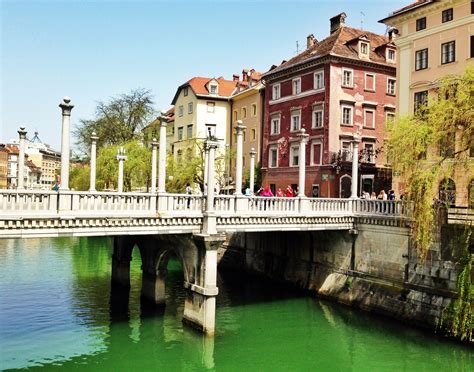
(421, 148)
(79, 178)
(117, 121)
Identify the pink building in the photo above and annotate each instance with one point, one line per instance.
(338, 87)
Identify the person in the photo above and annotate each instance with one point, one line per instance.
(365, 195)
(260, 191)
(188, 192)
(205, 189)
(297, 191)
(57, 184)
(279, 193)
(382, 195)
(373, 196)
(266, 192)
(391, 195)
(247, 191)
(289, 193)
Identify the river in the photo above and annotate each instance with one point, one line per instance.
(57, 312)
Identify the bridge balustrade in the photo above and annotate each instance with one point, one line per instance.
(272, 204)
(378, 207)
(331, 205)
(182, 202)
(28, 202)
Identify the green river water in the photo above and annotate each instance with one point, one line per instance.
(57, 312)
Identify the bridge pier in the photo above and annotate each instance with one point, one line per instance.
(121, 258)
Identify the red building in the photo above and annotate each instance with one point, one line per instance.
(338, 87)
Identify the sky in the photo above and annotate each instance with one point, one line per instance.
(94, 50)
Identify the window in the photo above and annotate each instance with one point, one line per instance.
(421, 59)
(273, 157)
(243, 112)
(211, 130)
(296, 86)
(448, 52)
(391, 84)
(295, 122)
(369, 153)
(472, 45)
(316, 153)
(211, 106)
(447, 15)
(190, 108)
(234, 114)
(185, 92)
(421, 24)
(370, 82)
(180, 110)
(317, 117)
(294, 156)
(369, 118)
(254, 134)
(189, 133)
(421, 99)
(472, 7)
(346, 151)
(347, 77)
(180, 133)
(276, 91)
(275, 125)
(346, 115)
(319, 80)
(213, 89)
(254, 109)
(390, 118)
(391, 55)
(364, 49)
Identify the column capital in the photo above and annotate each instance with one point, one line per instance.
(239, 126)
(22, 132)
(66, 107)
(211, 144)
(94, 137)
(356, 138)
(154, 143)
(303, 136)
(252, 152)
(121, 154)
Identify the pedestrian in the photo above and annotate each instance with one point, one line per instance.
(279, 193)
(382, 195)
(247, 191)
(188, 192)
(266, 192)
(391, 195)
(205, 189)
(289, 192)
(373, 196)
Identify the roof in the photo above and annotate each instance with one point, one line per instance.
(198, 85)
(339, 43)
(408, 8)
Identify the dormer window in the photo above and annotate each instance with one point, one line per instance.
(391, 55)
(213, 88)
(364, 49)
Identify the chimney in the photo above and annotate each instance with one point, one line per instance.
(245, 74)
(337, 22)
(235, 77)
(392, 34)
(310, 41)
(250, 77)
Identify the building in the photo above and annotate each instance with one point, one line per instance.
(3, 166)
(247, 106)
(34, 175)
(50, 167)
(338, 89)
(152, 130)
(436, 38)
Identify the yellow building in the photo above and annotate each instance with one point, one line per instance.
(435, 39)
(247, 106)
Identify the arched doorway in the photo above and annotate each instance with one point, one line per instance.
(447, 192)
(345, 183)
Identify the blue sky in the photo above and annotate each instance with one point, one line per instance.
(92, 50)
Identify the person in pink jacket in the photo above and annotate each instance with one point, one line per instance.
(266, 192)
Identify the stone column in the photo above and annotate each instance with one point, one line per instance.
(94, 139)
(154, 144)
(239, 129)
(66, 108)
(153, 286)
(121, 158)
(302, 162)
(209, 220)
(206, 163)
(20, 185)
(355, 165)
(252, 170)
(162, 156)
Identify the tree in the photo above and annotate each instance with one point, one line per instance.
(79, 178)
(428, 149)
(118, 120)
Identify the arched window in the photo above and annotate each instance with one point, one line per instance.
(470, 194)
(447, 192)
(345, 186)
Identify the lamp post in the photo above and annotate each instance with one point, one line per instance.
(94, 139)
(252, 170)
(355, 165)
(121, 157)
(302, 162)
(162, 155)
(21, 160)
(66, 108)
(239, 128)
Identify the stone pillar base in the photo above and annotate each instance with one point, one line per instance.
(153, 287)
(200, 309)
(121, 272)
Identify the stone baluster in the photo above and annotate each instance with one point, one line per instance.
(93, 170)
(66, 108)
(355, 165)
(121, 157)
(154, 144)
(21, 160)
(252, 169)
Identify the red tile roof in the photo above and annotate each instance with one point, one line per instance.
(198, 85)
(340, 43)
(408, 7)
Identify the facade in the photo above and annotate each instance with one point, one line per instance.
(152, 130)
(3, 167)
(338, 90)
(436, 38)
(12, 172)
(50, 167)
(247, 106)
